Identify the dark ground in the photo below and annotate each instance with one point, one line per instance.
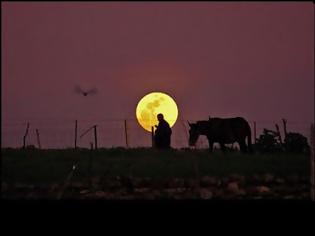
(142, 174)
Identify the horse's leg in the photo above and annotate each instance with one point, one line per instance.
(210, 145)
(242, 144)
(223, 148)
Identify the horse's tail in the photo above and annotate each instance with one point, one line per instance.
(249, 140)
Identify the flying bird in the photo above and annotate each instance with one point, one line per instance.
(79, 90)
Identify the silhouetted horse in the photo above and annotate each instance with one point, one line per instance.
(223, 131)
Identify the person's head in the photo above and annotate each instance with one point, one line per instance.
(160, 117)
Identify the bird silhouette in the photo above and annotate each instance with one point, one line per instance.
(79, 90)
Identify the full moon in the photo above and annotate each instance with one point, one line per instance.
(151, 105)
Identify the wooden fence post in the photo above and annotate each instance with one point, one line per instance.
(279, 135)
(75, 134)
(38, 140)
(126, 134)
(152, 136)
(95, 135)
(312, 164)
(254, 132)
(95, 138)
(185, 130)
(284, 127)
(25, 135)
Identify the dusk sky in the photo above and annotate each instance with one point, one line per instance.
(249, 59)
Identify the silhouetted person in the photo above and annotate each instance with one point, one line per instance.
(163, 133)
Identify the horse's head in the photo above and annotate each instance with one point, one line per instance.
(193, 134)
(201, 127)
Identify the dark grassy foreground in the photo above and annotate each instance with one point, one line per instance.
(130, 171)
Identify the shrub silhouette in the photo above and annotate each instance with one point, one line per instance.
(268, 142)
(296, 143)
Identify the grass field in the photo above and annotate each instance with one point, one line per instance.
(48, 166)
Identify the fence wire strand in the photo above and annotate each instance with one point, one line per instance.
(111, 132)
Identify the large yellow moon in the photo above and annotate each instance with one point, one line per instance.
(151, 105)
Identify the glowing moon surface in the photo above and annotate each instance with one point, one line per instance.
(151, 105)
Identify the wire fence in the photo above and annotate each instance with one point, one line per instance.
(60, 133)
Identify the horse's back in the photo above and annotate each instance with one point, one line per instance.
(229, 127)
(238, 121)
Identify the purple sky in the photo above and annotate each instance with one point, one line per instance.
(248, 59)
